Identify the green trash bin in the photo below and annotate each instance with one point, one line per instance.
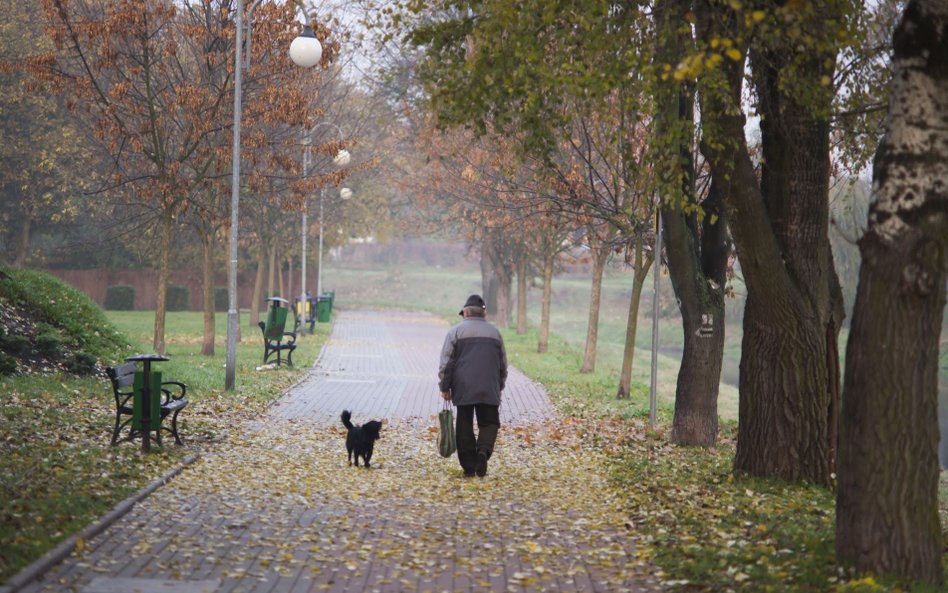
(323, 309)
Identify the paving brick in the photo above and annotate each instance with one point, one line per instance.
(378, 365)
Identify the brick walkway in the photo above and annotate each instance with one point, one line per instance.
(385, 365)
(277, 509)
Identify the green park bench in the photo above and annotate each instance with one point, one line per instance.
(274, 332)
(127, 383)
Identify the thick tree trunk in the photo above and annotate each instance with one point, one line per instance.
(23, 241)
(780, 230)
(600, 256)
(698, 276)
(257, 287)
(544, 342)
(163, 270)
(207, 247)
(522, 295)
(642, 266)
(887, 503)
(697, 257)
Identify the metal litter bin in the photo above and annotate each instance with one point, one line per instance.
(323, 309)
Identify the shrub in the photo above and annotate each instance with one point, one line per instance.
(178, 298)
(7, 364)
(120, 298)
(49, 344)
(53, 301)
(15, 344)
(81, 363)
(221, 298)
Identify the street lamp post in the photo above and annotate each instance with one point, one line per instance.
(305, 51)
(232, 319)
(341, 159)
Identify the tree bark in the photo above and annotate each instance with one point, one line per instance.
(600, 254)
(163, 271)
(697, 255)
(642, 265)
(697, 268)
(281, 286)
(207, 248)
(522, 295)
(544, 342)
(780, 231)
(887, 501)
(289, 280)
(271, 272)
(257, 287)
(500, 281)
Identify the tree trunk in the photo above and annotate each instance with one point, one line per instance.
(544, 342)
(271, 271)
(23, 241)
(488, 281)
(163, 270)
(780, 230)
(207, 246)
(697, 257)
(697, 271)
(522, 295)
(257, 287)
(642, 265)
(887, 503)
(500, 281)
(281, 286)
(600, 256)
(289, 280)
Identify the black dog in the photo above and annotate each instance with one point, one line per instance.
(361, 439)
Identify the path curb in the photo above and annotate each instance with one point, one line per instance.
(38, 567)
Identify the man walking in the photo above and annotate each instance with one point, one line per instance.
(472, 374)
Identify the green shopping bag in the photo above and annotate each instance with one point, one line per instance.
(447, 444)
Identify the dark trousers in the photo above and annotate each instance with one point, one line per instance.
(488, 423)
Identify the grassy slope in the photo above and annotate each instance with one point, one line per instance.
(57, 470)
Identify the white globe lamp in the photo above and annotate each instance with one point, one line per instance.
(305, 51)
(345, 193)
(342, 158)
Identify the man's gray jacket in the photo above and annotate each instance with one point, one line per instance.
(473, 363)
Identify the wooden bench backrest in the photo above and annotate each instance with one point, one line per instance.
(276, 323)
(122, 375)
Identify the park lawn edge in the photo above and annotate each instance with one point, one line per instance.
(59, 472)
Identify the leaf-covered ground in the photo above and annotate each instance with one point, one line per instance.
(280, 506)
(711, 530)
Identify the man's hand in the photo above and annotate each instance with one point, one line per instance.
(446, 395)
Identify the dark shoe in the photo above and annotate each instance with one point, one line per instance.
(481, 468)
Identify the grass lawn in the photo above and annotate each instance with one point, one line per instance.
(58, 472)
(443, 291)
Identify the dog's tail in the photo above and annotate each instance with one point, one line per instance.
(346, 419)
